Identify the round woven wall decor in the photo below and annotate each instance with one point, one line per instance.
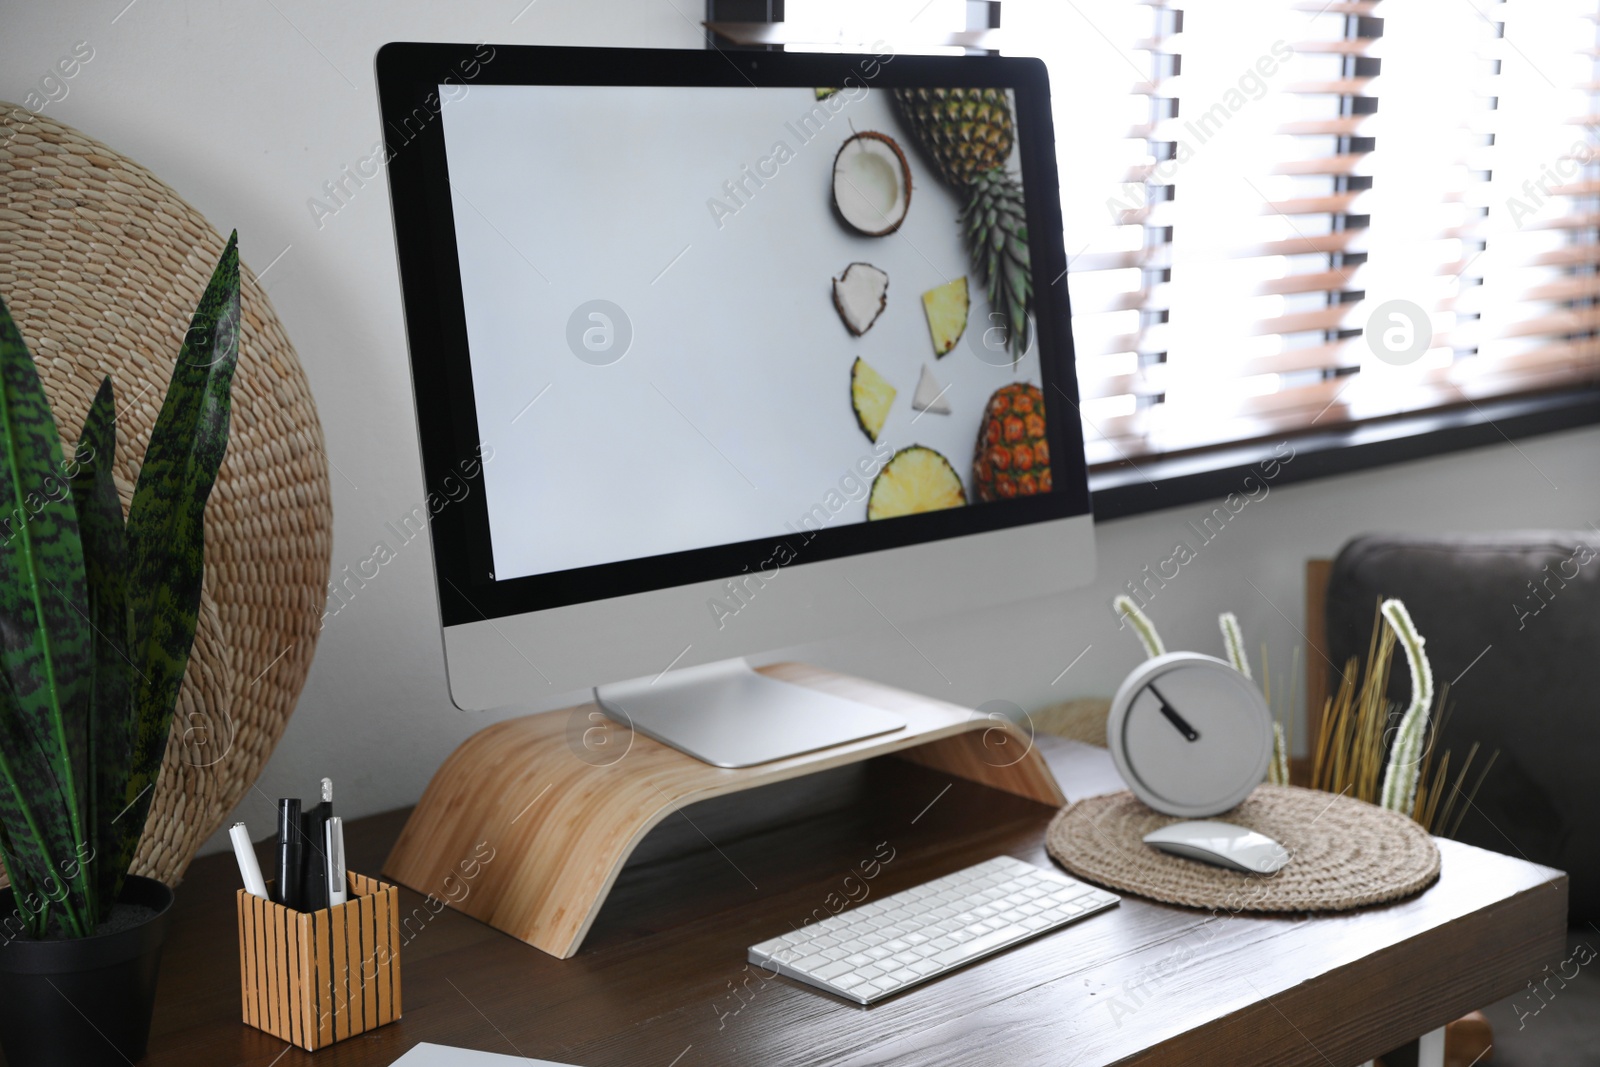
(1344, 853)
(101, 265)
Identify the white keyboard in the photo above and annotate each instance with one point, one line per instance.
(887, 945)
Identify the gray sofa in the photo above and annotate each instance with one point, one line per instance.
(1514, 620)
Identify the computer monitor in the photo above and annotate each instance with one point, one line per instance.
(720, 353)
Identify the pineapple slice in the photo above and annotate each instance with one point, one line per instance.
(915, 480)
(946, 308)
(871, 397)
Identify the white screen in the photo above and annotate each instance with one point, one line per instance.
(729, 418)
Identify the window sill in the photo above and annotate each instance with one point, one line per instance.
(1134, 488)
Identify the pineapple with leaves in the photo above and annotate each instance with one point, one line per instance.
(967, 135)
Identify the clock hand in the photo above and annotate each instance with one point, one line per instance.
(1173, 717)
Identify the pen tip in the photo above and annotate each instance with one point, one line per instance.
(327, 790)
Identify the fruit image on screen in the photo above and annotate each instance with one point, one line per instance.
(946, 309)
(1012, 457)
(782, 241)
(860, 294)
(915, 480)
(968, 134)
(872, 183)
(930, 395)
(871, 397)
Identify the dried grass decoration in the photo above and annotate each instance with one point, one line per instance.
(1353, 754)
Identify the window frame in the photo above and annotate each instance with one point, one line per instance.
(1176, 479)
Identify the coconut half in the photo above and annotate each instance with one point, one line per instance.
(930, 395)
(871, 184)
(860, 294)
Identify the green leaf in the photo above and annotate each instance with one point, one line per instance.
(105, 561)
(166, 535)
(44, 638)
(26, 858)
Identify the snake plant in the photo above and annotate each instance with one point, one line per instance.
(97, 615)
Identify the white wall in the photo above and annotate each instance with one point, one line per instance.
(247, 108)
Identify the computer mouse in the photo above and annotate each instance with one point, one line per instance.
(1222, 844)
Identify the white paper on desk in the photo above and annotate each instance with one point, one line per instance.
(429, 1055)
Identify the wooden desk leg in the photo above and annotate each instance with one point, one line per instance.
(1430, 1049)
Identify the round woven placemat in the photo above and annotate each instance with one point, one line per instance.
(101, 264)
(1344, 853)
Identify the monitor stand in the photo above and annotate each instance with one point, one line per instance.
(727, 715)
(560, 824)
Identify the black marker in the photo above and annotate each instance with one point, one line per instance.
(314, 864)
(291, 852)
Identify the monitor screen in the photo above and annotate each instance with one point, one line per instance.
(701, 315)
(704, 317)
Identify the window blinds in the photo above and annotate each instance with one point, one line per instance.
(1259, 248)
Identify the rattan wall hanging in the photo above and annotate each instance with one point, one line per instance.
(101, 265)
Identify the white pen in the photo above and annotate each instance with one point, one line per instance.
(249, 869)
(333, 842)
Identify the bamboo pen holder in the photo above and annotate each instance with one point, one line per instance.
(315, 977)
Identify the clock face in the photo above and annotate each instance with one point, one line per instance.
(1191, 735)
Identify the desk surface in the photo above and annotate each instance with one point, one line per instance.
(662, 979)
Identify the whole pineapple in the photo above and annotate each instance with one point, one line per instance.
(1012, 457)
(967, 135)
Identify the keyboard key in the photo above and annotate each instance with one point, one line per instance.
(978, 946)
(830, 971)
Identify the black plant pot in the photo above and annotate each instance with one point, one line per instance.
(84, 1002)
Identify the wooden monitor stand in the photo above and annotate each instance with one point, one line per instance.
(520, 831)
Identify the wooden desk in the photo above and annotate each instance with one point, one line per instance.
(662, 981)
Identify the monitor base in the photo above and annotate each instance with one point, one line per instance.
(727, 715)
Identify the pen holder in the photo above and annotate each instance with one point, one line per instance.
(315, 977)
